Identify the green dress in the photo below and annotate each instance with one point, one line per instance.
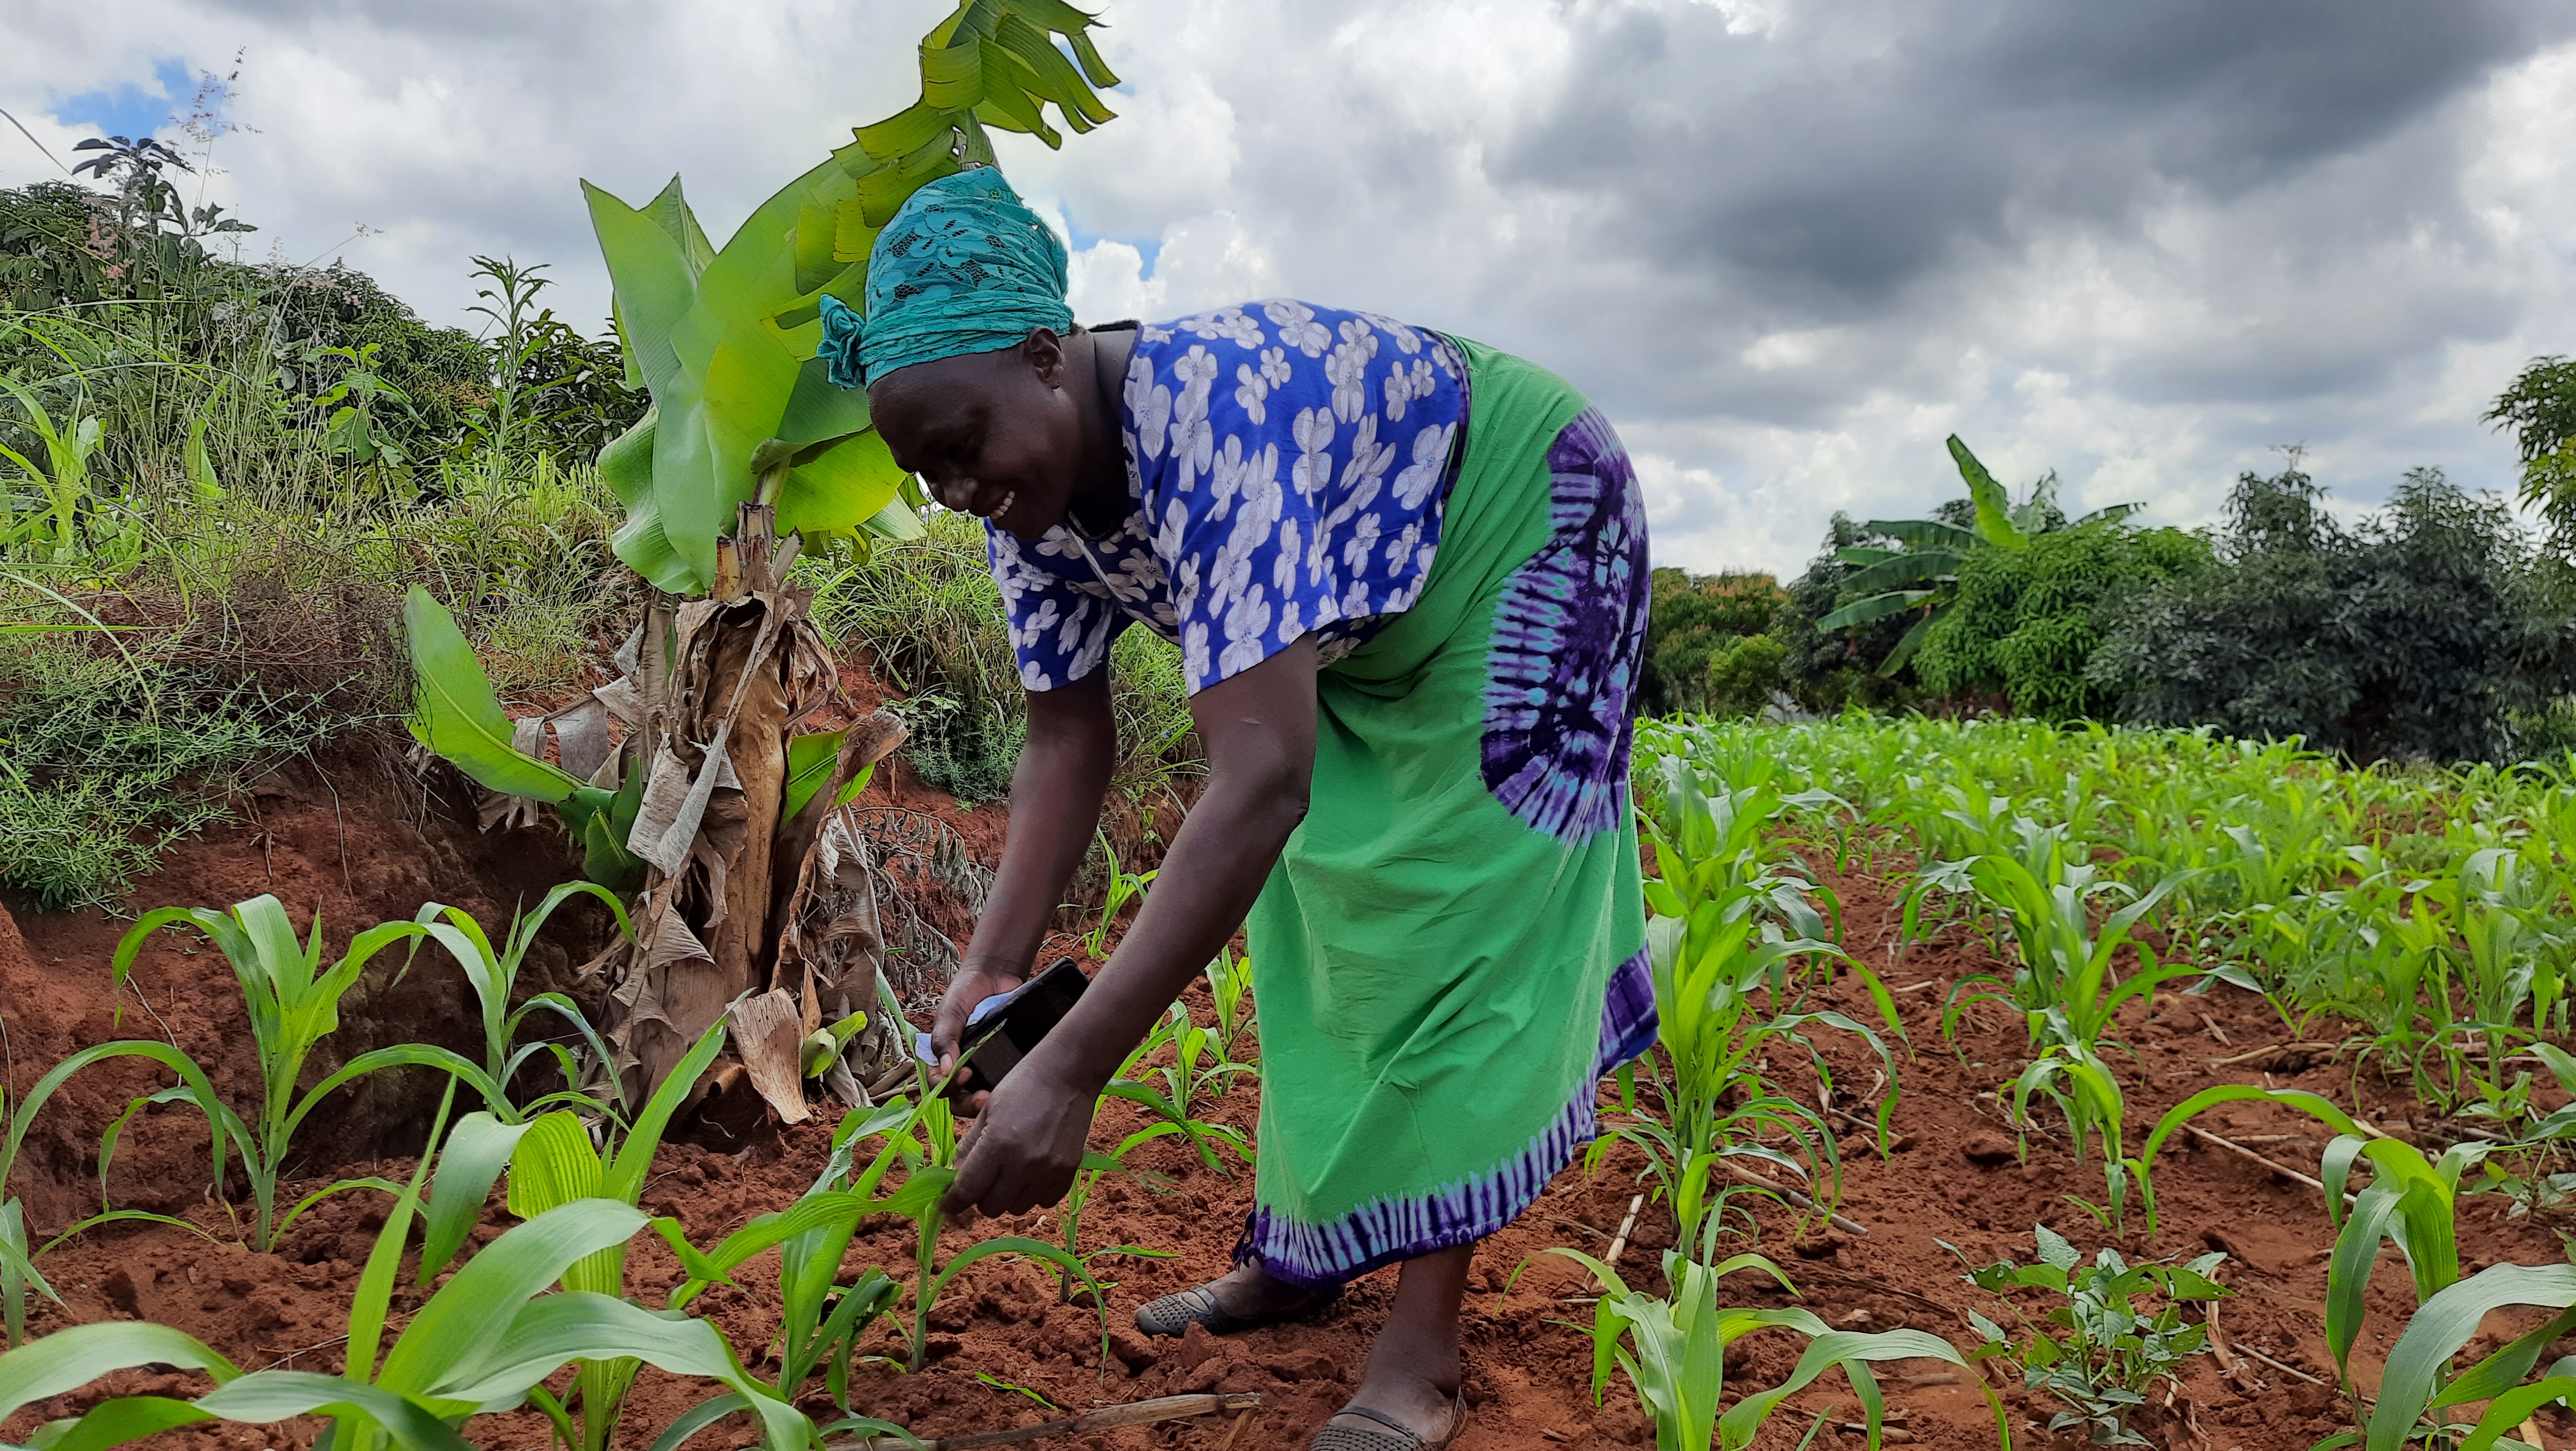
(1450, 952)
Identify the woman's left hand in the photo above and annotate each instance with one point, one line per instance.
(1026, 1145)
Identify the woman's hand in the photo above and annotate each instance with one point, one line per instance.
(947, 1028)
(1026, 1144)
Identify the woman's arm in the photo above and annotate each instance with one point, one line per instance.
(1259, 727)
(1055, 806)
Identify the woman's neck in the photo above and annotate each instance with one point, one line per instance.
(1100, 495)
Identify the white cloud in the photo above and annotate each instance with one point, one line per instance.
(1788, 249)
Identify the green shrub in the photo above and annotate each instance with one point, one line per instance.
(1691, 620)
(1743, 676)
(2028, 621)
(105, 763)
(2426, 632)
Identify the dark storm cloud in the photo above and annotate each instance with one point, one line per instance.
(1830, 163)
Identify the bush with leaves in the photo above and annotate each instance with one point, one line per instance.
(1694, 620)
(2423, 632)
(2028, 621)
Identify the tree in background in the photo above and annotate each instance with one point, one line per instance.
(2027, 622)
(1692, 621)
(2540, 407)
(2425, 632)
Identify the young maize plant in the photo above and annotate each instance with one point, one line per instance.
(1124, 887)
(553, 1164)
(2411, 1201)
(18, 1252)
(1230, 989)
(494, 975)
(483, 1343)
(294, 1002)
(2062, 983)
(1674, 1353)
(928, 1146)
(2418, 1387)
(1716, 940)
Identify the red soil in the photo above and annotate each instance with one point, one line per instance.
(1952, 1177)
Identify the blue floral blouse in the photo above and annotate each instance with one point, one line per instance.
(1288, 464)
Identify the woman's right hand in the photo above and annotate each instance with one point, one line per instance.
(972, 985)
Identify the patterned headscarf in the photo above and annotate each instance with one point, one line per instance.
(964, 267)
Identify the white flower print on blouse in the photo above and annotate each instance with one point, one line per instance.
(1347, 369)
(1297, 327)
(1228, 323)
(1273, 498)
(1250, 388)
(1313, 435)
(1149, 407)
(1192, 440)
(1430, 461)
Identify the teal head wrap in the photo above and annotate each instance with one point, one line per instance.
(964, 267)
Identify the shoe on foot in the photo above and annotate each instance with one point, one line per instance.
(1173, 1315)
(1396, 1437)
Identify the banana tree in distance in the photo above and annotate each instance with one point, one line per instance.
(1925, 573)
(727, 819)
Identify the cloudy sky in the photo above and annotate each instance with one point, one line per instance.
(1787, 244)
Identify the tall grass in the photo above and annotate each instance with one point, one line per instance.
(207, 592)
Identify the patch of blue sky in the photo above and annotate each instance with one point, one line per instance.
(135, 109)
(1149, 248)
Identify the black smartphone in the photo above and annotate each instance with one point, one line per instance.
(1003, 1029)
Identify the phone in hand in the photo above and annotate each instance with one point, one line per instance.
(1006, 1027)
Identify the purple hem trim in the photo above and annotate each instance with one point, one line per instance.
(1319, 1256)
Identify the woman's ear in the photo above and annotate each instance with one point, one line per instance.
(1045, 354)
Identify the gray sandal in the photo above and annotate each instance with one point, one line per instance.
(1396, 1437)
(1173, 1315)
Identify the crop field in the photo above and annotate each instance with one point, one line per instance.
(2151, 1084)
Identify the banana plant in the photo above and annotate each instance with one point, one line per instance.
(293, 1002)
(747, 454)
(1925, 573)
(484, 1343)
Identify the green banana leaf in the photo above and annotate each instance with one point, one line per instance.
(1922, 566)
(458, 717)
(724, 338)
(1994, 506)
(810, 758)
(1875, 607)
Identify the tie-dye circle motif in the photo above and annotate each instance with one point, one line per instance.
(1568, 632)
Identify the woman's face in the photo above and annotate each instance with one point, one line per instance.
(991, 434)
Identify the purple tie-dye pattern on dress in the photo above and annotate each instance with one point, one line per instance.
(1567, 630)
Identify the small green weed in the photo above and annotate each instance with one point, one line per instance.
(2103, 1349)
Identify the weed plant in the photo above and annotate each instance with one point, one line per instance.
(107, 758)
(2119, 1334)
